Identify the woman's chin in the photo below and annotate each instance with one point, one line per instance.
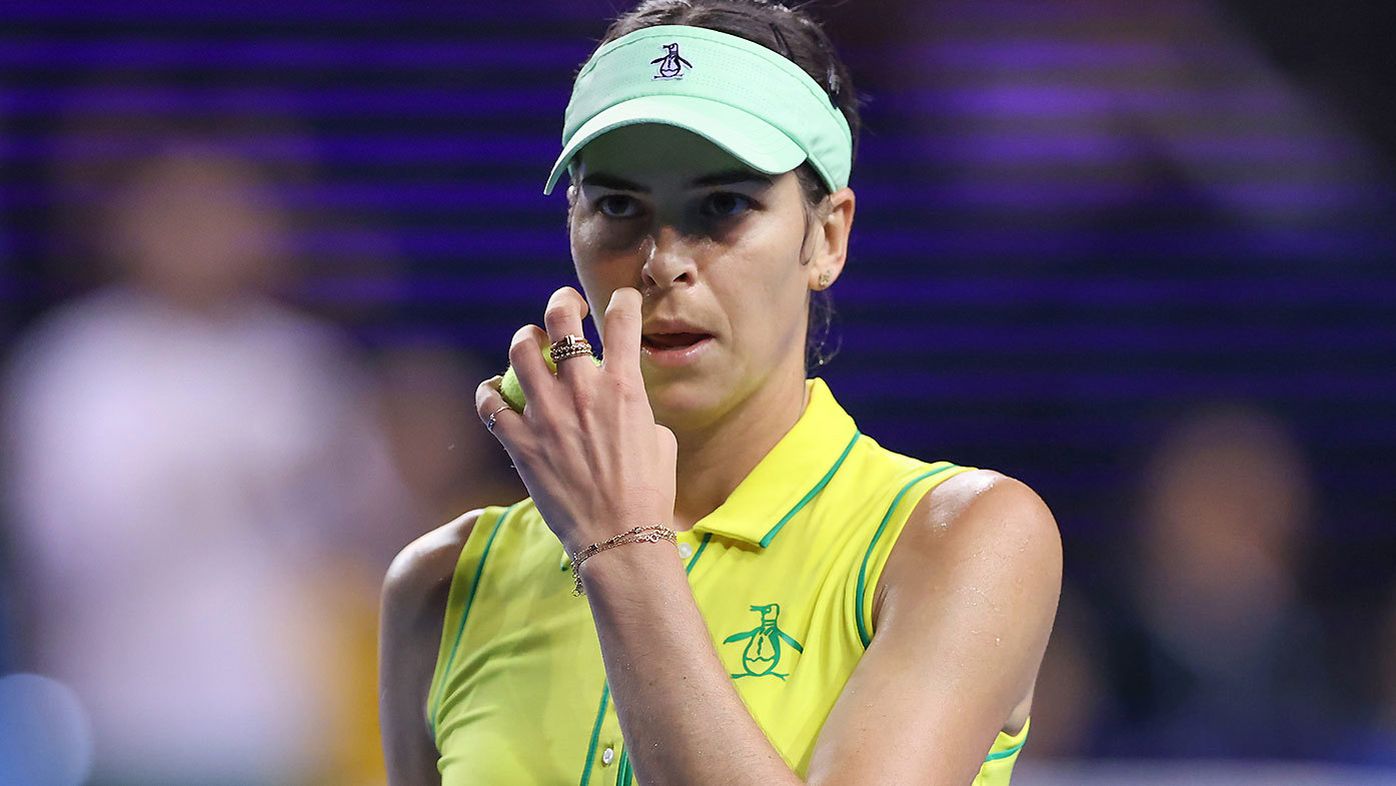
(682, 403)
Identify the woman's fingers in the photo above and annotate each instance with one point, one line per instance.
(668, 447)
(563, 317)
(497, 416)
(526, 356)
(622, 329)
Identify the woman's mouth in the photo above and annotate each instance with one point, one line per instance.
(674, 349)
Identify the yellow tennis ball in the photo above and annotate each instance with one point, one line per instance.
(509, 386)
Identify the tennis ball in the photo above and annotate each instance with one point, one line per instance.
(509, 386)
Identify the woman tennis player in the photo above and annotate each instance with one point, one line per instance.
(768, 596)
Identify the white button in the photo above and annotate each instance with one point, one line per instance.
(685, 550)
(608, 756)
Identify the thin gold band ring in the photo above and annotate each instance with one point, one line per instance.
(489, 422)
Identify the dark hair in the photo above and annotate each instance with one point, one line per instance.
(796, 35)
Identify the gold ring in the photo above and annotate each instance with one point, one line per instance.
(569, 347)
(489, 422)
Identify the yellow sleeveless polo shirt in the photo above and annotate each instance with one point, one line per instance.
(783, 572)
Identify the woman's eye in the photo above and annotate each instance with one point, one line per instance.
(727, 204)
(615, 206)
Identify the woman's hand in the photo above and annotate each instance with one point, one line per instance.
(586, 445)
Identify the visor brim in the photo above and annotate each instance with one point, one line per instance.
(748, 138)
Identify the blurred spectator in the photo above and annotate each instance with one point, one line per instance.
(1386, 686)
(7, 588)
(1374, 741)
(1222, 653)
(198, 487)
(1069, 705)
(9, 295)
(447, 460)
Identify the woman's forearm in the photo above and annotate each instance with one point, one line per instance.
(682, 718)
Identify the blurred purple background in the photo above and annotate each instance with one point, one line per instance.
(254, 258)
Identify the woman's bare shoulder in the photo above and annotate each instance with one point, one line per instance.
(969, 496)
(418, 581)
(983, 517)
(416, 590)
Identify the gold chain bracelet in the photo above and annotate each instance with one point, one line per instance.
(651, 534)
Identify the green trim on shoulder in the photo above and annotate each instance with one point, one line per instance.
(818, 487)
(1003, 754)
(863, 634)
(465, 614)
(595, 735)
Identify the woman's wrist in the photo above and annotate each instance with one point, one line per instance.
(639, 534)
(635, 563)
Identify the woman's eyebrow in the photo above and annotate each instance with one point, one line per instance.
(730, 177)
(610, 181)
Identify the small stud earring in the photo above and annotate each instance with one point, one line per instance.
(824, 280)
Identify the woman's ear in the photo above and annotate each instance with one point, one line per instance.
(832, 227)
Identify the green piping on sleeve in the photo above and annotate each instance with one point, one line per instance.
(465, 614)
(828, 476)
(863, 634)
(1005, 753)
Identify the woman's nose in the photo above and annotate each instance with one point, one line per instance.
(668, 259)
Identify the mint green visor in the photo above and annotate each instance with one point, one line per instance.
(744, 98)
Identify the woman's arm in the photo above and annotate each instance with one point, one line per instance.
(962, 618)
(681, 715)
(963, 612)
(413, 610)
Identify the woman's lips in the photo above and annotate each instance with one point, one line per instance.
(672, 340)
(674, 349)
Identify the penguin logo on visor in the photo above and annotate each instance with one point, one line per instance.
(671, 64)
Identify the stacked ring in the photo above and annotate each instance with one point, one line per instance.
(569, 347)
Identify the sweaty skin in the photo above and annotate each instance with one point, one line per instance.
(962, 611)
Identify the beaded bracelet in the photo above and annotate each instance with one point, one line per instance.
(650, 534)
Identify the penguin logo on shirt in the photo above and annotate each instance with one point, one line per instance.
(763, 648)
(671, 64)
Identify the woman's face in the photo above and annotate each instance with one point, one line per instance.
(714, 248)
